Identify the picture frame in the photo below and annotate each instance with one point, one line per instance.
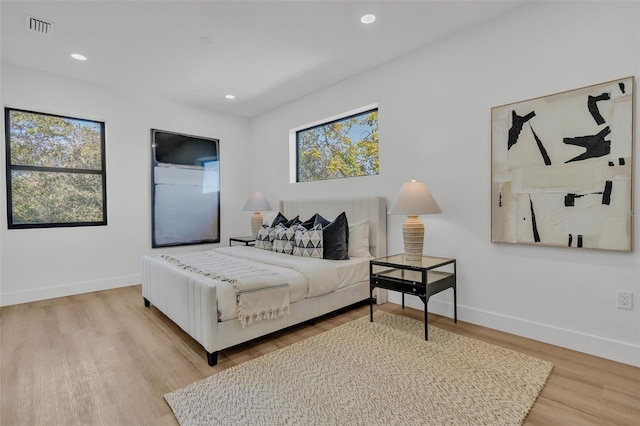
(562, 169)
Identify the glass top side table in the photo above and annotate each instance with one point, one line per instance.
(421, 278)
(247, 241)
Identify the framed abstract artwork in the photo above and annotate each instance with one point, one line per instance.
(561, 169)
(185, 189)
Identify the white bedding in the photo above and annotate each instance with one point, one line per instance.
(352, 271)
(261, 294)
(321, 277)
(306, 277)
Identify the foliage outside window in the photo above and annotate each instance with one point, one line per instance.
(346, 147)
(55, 170)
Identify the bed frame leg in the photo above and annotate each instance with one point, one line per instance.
(212, 358)
(146, 302)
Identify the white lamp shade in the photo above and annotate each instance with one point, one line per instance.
(414, 198)
(257, 202)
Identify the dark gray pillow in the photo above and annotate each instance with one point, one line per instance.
(311, 222)
(335, 237)
(321, 220)
(281, 219)
(295, 221)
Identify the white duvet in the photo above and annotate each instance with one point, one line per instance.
(305, 277)
(321, 276)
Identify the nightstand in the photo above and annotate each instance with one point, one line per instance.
(247, 241)
(418, 277)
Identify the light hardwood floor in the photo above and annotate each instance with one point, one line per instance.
(102, 358)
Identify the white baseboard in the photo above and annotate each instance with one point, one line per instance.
(17, 297)
(381, 295)
(582, 342)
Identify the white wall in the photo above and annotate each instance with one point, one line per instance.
(434, 111)
(44, 263)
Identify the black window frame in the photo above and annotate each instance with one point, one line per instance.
(9, 168)
(327, 123)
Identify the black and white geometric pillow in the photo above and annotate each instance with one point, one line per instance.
(285, 237)
(265, 238)
(308, 243)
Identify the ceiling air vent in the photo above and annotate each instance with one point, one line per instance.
(39, 26)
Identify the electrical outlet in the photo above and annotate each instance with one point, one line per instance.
(624, 299)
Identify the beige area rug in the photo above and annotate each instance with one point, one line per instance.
(363, 373)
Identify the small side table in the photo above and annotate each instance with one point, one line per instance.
(247, 241)
(417, 277)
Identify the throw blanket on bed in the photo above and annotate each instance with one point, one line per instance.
(321, 274)
(260, 294)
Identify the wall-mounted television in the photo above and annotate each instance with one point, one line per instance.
(185, 189)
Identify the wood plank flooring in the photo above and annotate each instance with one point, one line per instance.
(103, 359)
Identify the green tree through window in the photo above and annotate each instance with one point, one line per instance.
(55, 170)
(342, 148)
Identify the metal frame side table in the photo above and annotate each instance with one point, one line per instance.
(247, 241)
(417, 277)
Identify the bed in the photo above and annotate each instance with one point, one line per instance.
(199, 303)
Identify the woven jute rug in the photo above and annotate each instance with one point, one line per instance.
(363, 373)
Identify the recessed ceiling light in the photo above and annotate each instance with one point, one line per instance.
(78, 57)
(368, 18)
(229, 96)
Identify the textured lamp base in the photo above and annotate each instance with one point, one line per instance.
(256, 223)
(413, 237)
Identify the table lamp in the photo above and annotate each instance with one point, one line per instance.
(414, 199)
(256, 203)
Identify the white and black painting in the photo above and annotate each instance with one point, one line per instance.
(562, 169)
(185, 189)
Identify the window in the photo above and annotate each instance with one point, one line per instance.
(55, 170)
(185, 189)
(338, 148)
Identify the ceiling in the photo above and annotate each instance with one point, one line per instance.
(266, 53)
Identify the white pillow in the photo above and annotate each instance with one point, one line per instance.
(359, 238)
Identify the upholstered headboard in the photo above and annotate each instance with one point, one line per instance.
(356, 209)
